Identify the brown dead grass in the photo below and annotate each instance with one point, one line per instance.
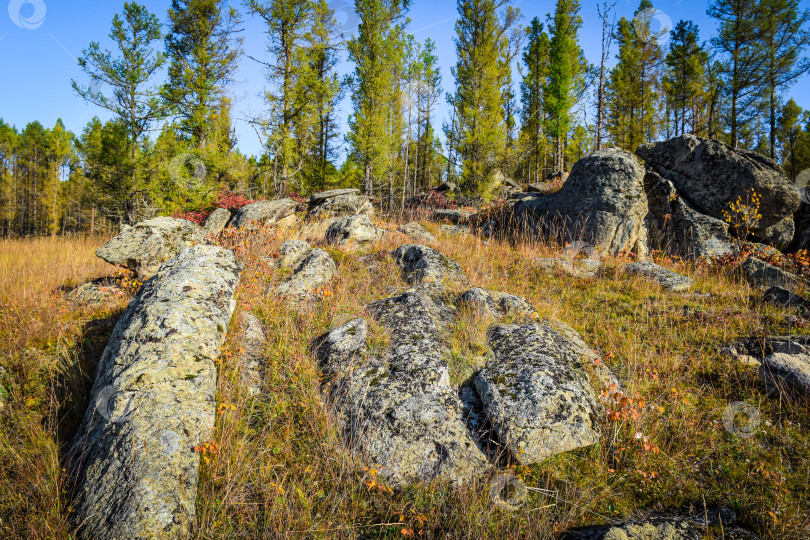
(283, 471)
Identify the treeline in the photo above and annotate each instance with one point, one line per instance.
(170, 144)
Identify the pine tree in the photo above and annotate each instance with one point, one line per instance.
(204, 49)
(608, 26)
(793, 140)
(134, 103)
(740, 46)
(785, 36)
(483, 33)
(633, 89)
(565, 82)
(683, 79)
(428, 95)
(376, 51)
(287, 22)
(535, 62)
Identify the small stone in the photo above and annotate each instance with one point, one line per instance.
(668, 279)
(422, 264)
(217, 221)
(417, 232)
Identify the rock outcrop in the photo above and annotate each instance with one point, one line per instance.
(709, 175)
(253, 360)
(315, 268)
(536, 393)
(456, 217)
(496, 303)
(143, 247)
(668, 279)
(353, 231)
(398, 409)
(602, 202)
(422, 264)
(153, 401)
(95, 292)
(263, 213)
(217, 221)
(339, 203)
(675, 227)
(291, 252)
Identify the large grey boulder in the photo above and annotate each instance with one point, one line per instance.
(315, 268)
(779, 235)
(801, 236)
(675, 227)
(668, 279)
(536, 393)
(353, 231)
(153, 401)
(422, 264)
(602, 202)
(142, 248)
(263, 213)
(398, 409)
(710, 174)
(339, 203)
(217, 221)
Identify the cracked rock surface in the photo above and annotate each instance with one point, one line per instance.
(153, 400)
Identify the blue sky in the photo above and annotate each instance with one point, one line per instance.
(41, 39)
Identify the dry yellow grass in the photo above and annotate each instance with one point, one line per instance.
(282, 470)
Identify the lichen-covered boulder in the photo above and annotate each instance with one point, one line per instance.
(217, 221)
(455, 230)
(422, 264)
(536, 394)
(398, 409)
(417, 232)
(291, 252)
(153, 401)
(668, 279)
(353, 231)
(602, 202)
(339, 348)
(142, 248)
(315, 269)
(710, 174)
(497, 303)
(263, 213)
(339, 203)
(675, 227)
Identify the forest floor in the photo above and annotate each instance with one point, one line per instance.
(277, 467)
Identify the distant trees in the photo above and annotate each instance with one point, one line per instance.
(169, 146)
(484, 39)
(377, 52)
(684, 79)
